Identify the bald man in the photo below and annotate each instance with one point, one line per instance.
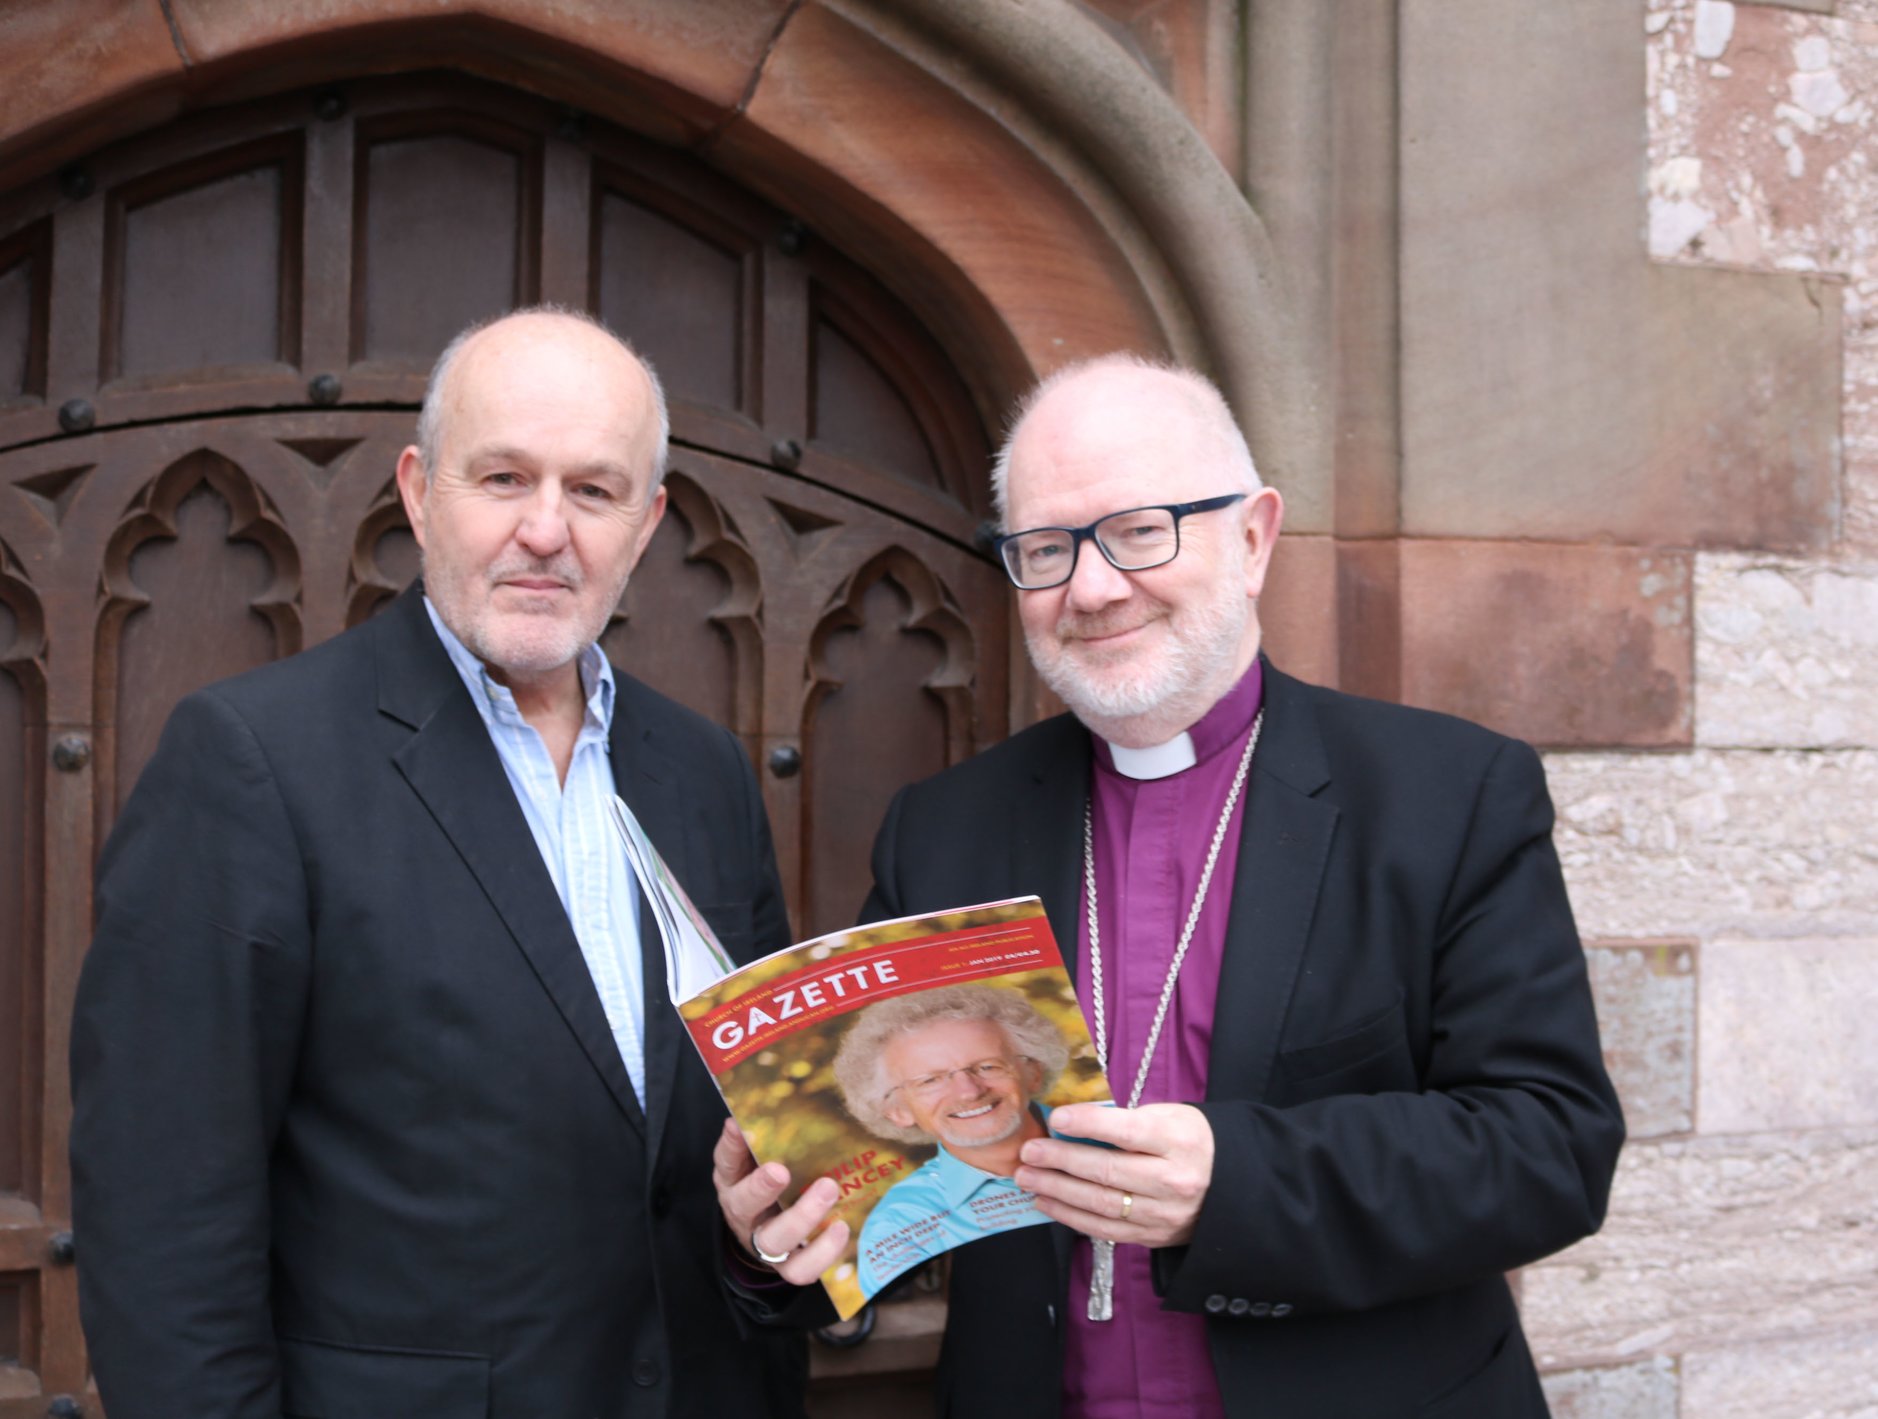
(1323, 944)
(379, 1106)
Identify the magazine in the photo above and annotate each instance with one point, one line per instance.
(908, 1060)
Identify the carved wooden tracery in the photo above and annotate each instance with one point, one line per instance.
(25, 300)
(655, 642)
(930, 610)
(891, 665)
(23, 641)
(162, 512)
(22, 792)
(384, 530)
(22, 942)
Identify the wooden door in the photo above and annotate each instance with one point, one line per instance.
(212, 342)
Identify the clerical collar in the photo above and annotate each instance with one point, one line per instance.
(1223, 726)
(1155, 761)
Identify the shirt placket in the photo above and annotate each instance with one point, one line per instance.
(1154, 914)
(589, 867)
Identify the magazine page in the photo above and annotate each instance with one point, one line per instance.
(694, 958)
(909, 1060)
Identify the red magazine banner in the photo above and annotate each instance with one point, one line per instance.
(858, 974)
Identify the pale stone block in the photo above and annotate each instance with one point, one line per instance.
(1714, 26)
(1786, 653)
(1787, 77)
(1860, 414)
(1645, 995)
(1712, 1243)
(1642, 1391)
(1831, 1376)
(1783, 160)
(1821, 7)
(1787, 1039)
(1676, 223)
(1714, 844)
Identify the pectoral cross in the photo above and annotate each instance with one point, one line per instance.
(1102, 1281)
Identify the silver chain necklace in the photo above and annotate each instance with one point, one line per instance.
(1102, 1276)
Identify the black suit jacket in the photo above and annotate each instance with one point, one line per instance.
(352, 1136)
(1405, 1085)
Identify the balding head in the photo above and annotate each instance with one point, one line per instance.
(534, 489)
(1141, 654)
(575, 325)
(1086, 397)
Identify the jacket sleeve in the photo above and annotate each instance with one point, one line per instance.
(187, 1023)
(1503, 1155)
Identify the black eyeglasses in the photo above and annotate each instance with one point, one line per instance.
(1132, 541)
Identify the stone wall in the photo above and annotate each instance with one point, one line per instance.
(1729, 891)
(1605, 390)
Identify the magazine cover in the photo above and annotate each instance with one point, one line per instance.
(909, 1060)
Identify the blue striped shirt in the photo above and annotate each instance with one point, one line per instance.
(574, 833)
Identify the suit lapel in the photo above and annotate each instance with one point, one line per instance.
(1046, 857)
(453, 767)
(1283, 849)
(650, 784)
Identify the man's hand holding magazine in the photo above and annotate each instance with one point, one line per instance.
(748, 1197)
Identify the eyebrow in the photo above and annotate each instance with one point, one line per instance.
(502, 453)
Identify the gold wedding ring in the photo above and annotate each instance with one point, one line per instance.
(1128, 1205)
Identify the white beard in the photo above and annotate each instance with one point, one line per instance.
(519, 645)
(1179, 675)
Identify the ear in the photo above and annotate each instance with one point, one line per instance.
(899, 1115)
(411, 485)
(1264, 515)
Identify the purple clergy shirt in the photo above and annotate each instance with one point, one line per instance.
(1151, 841)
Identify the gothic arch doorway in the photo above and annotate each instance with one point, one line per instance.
(257, 292)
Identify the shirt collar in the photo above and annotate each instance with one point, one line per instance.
(958, 1180)
(1155, 761)
(495, 702)
(1221, 727)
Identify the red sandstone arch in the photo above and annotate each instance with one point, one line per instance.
(950, 148)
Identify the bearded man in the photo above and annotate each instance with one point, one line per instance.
(1323, 944)
(380, 1107)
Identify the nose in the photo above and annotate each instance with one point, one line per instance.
(974, 1086)
(1095, 583)
(543, 528)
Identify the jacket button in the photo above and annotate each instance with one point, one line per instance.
(1238, 1306)
(1282, 1309)
(661, 1201)
(646, 1373)
(1215, 1303)
(1262, 1309)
